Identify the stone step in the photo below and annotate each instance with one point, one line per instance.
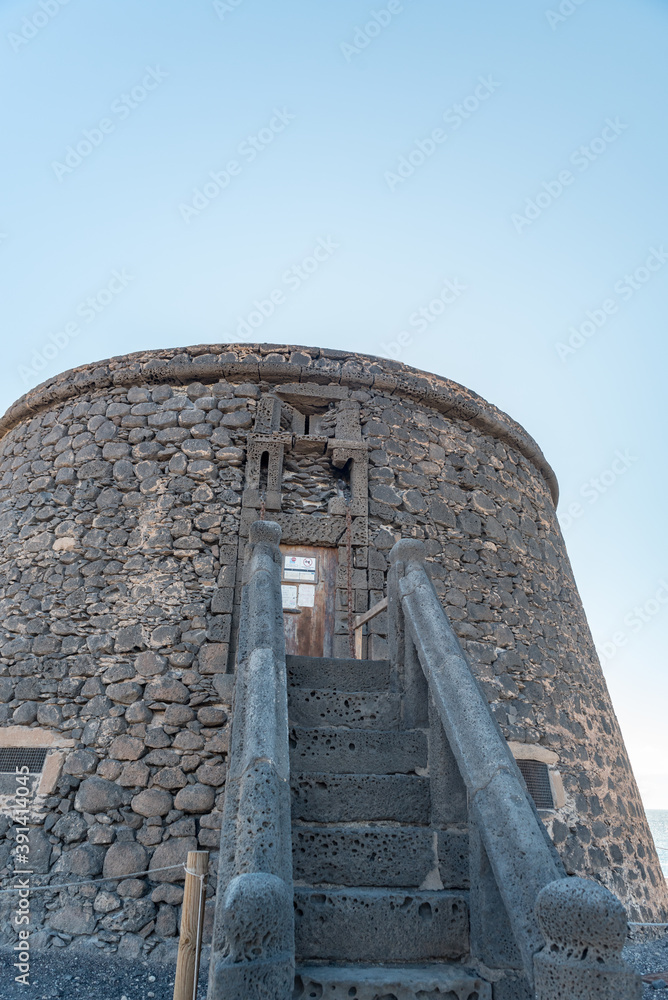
(368, 925)
(309, 706)
(380, 855)
(344, 798)
(357, 751)
(401, 982)
(341, 675)
(368, 855)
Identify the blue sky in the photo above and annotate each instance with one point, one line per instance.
(516, 150)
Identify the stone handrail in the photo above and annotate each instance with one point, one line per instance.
(252, 953)
(568, 932)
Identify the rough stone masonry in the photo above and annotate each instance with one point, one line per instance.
(126, 493)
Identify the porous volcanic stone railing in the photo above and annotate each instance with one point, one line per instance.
(565, 934)
(253, 951)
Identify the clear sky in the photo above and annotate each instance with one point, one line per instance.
(516, 150)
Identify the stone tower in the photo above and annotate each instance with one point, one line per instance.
(127, 493)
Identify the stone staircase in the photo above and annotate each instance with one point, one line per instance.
(381, 906)
(361, 798)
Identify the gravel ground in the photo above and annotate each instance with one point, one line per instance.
(78, 977)
(648, 952)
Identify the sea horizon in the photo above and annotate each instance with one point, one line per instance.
(658, 824)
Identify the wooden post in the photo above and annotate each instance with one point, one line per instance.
(192, 921)
(361, 620)
(358, 642)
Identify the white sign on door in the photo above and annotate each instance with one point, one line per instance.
(289, 596)
(299, 568)
(306, 595)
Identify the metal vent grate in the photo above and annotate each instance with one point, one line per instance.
(537, 778)
(13, 757)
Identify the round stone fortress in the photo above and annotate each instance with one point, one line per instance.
(127, 489)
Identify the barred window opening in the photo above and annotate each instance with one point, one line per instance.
(12, 758)
(537, 778)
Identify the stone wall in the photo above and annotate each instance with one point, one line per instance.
(119, 517)
(500, 567)
(124, 504)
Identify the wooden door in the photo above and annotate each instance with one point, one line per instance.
(308, 585)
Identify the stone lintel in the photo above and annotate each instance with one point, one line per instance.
(32, 736)
(533, 751)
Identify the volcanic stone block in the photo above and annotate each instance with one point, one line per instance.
(80, 763)
(171, 856)
(87, 859)
(367, 925)
(453, 858)
(363, 855)
(413, 982)
(134, 915)
(152, 802)
(357, 751)
(170, 777)
(359, 709)
(211, 716)
(149, 664)
(126, 859)
(126, 748)
(71, 827)
(167, 689)
(72, 919)
(124, 693)
(97, 795)
(338, 674)
(332, 798)
(195, 799)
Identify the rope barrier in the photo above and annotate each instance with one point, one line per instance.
(88, 881)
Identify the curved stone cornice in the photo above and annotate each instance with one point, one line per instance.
(280, 364)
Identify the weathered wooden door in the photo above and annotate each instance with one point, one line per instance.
(308, 585)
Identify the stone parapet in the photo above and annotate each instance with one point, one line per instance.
(280, 365)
